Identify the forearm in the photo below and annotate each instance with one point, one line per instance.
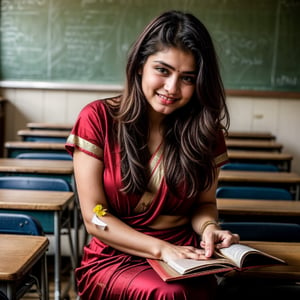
(124, 238)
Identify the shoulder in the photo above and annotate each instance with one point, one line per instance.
(100, 105)
(99, 109)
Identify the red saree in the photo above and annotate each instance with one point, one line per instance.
(106, 273)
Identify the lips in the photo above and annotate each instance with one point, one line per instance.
(167, 100)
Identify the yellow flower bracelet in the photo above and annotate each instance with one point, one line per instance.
(99, 210)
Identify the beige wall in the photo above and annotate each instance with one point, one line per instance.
(279, 116)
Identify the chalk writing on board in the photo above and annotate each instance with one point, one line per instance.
(284, 80)
(87, 41)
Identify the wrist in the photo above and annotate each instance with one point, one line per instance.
(207, 224)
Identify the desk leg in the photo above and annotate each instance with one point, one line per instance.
(11, 291)
(44, 278)
(57, 256)
(76, 234)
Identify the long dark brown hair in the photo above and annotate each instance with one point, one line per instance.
(190, 133)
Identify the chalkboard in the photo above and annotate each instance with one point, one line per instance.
(87, 41)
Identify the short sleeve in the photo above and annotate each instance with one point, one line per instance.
(221, 155)
(90, 130)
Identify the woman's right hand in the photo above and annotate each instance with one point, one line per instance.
(170, 252)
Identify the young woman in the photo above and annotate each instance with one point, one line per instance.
(150, 158)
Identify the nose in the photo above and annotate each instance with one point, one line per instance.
(171, 84)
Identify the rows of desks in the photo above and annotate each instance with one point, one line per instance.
(259, 210)
(288, 180)
(48, 204)
(56, 136)
(258, 145)
(283, 160)
(43, 202)
(65, 169)
(35, 247)
(227, 207)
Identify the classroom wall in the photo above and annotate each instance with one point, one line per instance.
(280, 116)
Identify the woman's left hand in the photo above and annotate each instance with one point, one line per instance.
(217, 238)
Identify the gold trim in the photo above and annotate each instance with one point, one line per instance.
(221, 158)
(157, 173)
(84, 144)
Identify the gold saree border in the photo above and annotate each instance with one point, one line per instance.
(157, 174)
(84, 144)
(221, 158)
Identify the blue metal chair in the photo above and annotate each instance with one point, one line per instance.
(16, 223)
(44, 139)
(250, 192)
(264, 231)
(250, 167)
(45, 155)
(34, 183)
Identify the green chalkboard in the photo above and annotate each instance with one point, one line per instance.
(86, 41)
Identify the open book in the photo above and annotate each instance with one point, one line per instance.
(236, 257)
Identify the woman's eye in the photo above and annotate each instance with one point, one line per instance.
(162, 70)
(188, 79)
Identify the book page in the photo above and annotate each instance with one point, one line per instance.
(236, 252)
(239, 254)
(185, 265)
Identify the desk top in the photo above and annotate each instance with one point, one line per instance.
(259, 155)
(253, 144)
(37, 166)
(18, 253)
(44, 133)
(251, 135)
(259, 177)
(284, 250)
(49, 126)
(34, 200)
(259, 207)
(34, 145)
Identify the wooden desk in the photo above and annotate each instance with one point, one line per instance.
(251, 135)
(282, 160)
(18, 254)
(49, 126)
(42, 167)
(45, 205)
(49, 136)
(251, 144)
(288, 180)
(2, 125)
(286, 251)
(13, 148)
(265, 210)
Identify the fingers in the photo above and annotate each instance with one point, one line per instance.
(229, 240)
(209, 247)
(218, 239)
(193, 253)
(176, 252)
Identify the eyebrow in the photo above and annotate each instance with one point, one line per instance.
(174, 69)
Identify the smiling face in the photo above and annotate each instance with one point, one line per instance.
(168, 80)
